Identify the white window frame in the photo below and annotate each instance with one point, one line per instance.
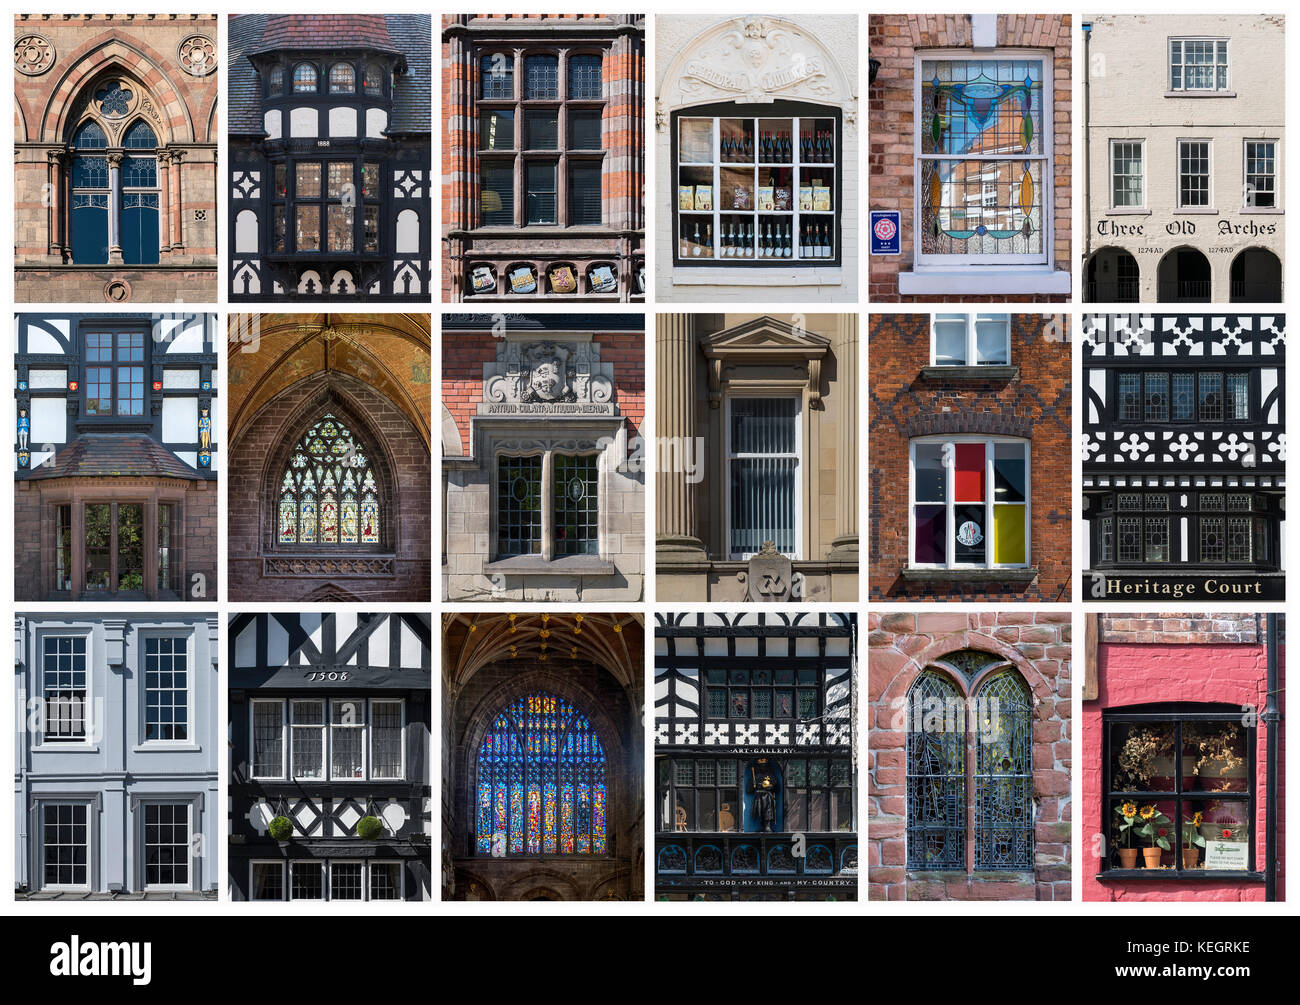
(140, 811)
(363, 728)
(1209, 177)
(401, 739)
(1141, 144)
(252, 740)
(187, 634)
(284, 880)
(1182, 41)
(401, 878)
(318, 863)
(92, 843)
(971, 343)
(950, 503)
(797, 398)
(1246, 203)
(89, 741)
(322, 728)
(1034, 263)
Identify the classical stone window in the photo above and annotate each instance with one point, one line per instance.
(328, 493)
(970, 340)
(763, 475)
(540, 785)
(1179, 778)
(1169, 528)
(541, 149)
(1260, 190)
(548, 504)
(757, 184)
(1127, 174)
(166, 689)
(1194, 191)
(984, 158)
(1198, 64)
(65, 845)
(167, 845)
(65, 689)
(963, 487)
(340, 739)
(969, 759)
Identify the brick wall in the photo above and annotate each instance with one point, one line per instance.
(903, 404)
(894, 40)
(402, 466)
(463, 357)
(1170, 658)
(900, 647)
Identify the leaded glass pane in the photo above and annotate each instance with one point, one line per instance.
(497, 76)
(577, 511)
(936, 774)
(584, 77)
(328, 492)
(519, 506)
(1004, 832)
(541, 77)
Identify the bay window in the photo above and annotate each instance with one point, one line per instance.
(757, 185)
(961, 487)
(763, 444)
(983, 158)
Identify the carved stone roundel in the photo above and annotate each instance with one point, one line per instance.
(33, 55)
(197, 55)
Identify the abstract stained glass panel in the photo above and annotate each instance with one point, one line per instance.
(936, 774)
(983, 162)
(328, 493)
(541, 781)
(1004, 832)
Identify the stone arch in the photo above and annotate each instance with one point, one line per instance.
(900, 683)
(1113, 275)
(542, 884)
(466, 879)
(108, 55)
(1255, 276)
(452, 443)
(1184, 276)
(755, 58)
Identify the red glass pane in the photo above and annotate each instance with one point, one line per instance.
(970, 472)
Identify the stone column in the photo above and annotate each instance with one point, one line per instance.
(164, 202)
(177, 198)
(845, 346)
(115, 207)
(55, 159)
(677, 534)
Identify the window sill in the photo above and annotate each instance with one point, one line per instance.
(1195, 211)
(1200, 94)
(166, 748)
(759, 276)
(971, 575)
(54, 747)
(1188, 875)
(1262, 211)
(535, 565)
(1127, 211)
(975, 280)
(1001, 374)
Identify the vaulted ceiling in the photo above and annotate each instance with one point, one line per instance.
(271, 352)
(615, 642)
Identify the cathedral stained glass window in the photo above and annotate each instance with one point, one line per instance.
(541, 781)
(328, 492)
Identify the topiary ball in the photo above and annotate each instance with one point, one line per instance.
(281, 828)
(369, 828)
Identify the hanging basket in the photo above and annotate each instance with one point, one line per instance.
(370, 828)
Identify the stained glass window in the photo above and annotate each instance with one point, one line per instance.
(328, 492)
(936, 774)
(541, 781)
(1004, 831)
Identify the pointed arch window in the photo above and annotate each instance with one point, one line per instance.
(90, 195)
(970, 757)
(541, 781)
(140, 195)
(328, 493)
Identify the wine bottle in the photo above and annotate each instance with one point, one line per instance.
(749, 241)
(695, 239)
(686, 245)
(708, 239)
(788, 249)
(805, 247)
(765, 249)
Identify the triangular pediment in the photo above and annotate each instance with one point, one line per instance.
(766, 334)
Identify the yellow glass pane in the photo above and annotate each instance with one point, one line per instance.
(1008, 534)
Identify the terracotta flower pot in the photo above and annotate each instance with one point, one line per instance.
(1128, 858)
(1152, 857)
(1190, 855)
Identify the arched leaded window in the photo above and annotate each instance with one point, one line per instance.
(328, 492)
(343, 78)
(90, 195)
(936, 774)
(372, 79)
(304, 78)
(541, 781)
(140, 195)
(1004, 837)
(276, 85)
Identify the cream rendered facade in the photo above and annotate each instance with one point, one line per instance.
(757, 66)
(1131, 99)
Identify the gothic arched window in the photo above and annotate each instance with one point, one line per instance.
(90, 195)
(328, 492)
(1004, 773)
(343, 79)
(541, 781)
(139, 237)
(304, 78)
(936, 774)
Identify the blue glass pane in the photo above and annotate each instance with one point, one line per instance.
(90, 172)
(89, 137)
(90, 234)
(114, 100)
(140, 229)
(139, 136)
(139, 172)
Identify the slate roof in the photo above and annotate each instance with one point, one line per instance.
(546, 322)
(115, 455)
(409, 34)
